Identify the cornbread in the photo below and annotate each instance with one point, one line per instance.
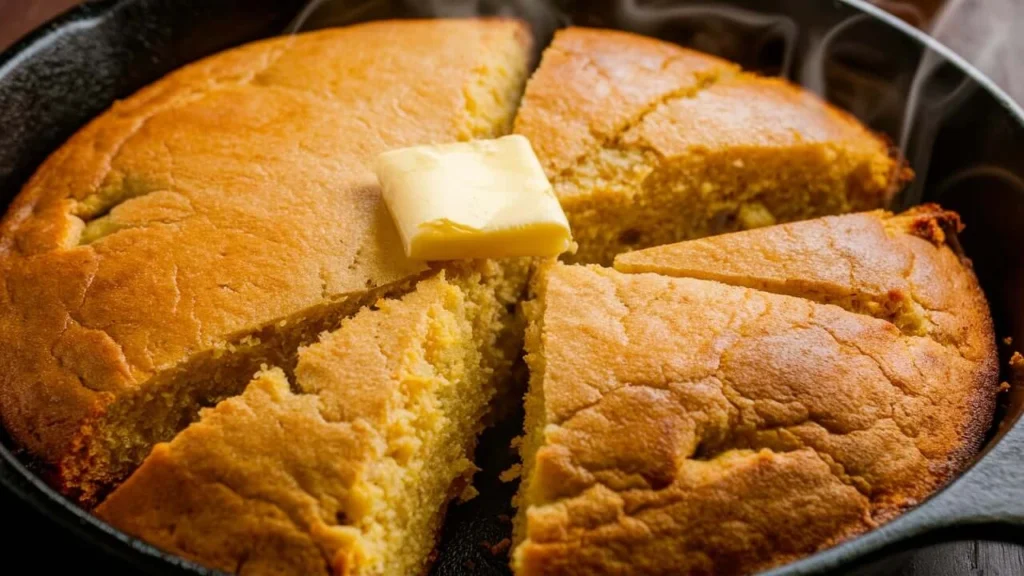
(351, 474)
(217, 220)
(819, 380)
(211, 328)
(647, 143)
(479, 199)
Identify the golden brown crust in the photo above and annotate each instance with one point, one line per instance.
(228, 196)
(648, 143)
(593, 84)
(596, 85)
(756, 112)
(899, 267)
(733, 396)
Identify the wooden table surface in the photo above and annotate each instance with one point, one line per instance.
(989, 33)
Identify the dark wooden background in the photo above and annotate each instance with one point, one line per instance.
(989, 33)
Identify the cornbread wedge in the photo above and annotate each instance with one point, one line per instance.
(349, 475)
(647, 143)
(875, 263)
(679, 424)
(217, 220)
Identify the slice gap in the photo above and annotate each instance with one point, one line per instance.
(353, 472)
(169, 401)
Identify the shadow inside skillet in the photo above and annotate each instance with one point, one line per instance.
(964, 142)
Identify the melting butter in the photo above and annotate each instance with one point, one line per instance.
(478, 199)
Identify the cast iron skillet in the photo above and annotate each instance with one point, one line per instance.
(963, 136)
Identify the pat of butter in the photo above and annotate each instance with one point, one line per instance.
(479, 199)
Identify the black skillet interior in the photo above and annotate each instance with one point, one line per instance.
(965, 141)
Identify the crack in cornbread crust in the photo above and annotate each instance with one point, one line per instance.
(895, 267)
(350, 474)
(701, 149)
(733, 396)
(49, 213)
(599, 93)
(229, 194)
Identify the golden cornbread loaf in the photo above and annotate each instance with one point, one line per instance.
(648, 143)
(818, 380)
(218, 219)
(350, 475)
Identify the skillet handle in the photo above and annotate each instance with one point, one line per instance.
(986, 502)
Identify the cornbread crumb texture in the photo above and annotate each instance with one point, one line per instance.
(736, 396)
(351, 474)
(217, 219)
(647, 143)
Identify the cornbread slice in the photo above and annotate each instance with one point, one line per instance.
(218, 219)
(647, 143)
(892, 266)
(351, 474)
(761, 426)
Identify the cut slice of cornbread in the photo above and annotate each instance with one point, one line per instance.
(647, 143)
(349, 475)
(682, 425)
(218, 219)
(896, 267)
